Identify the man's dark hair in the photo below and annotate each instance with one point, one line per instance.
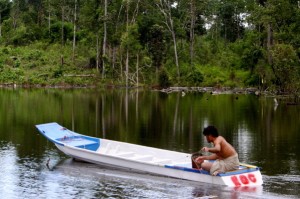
(211, 130)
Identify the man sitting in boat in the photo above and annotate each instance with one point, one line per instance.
(225, 156)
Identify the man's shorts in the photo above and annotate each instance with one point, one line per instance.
(229, 164)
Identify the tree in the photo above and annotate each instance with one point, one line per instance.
(157, 45)
(165, 7)
(194, 12)
(230, 12)
(4, 10)
(278, 20)
(285, 64)
(131, 13)
(131, 43)
(90, 19)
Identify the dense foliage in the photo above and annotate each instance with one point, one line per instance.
(167, 42)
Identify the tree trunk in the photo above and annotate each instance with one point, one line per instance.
(15, 12)
(165, 9)
(74, 30)
(175, 53)
(97, 53)
(175, 44)
(127, 52)
(49, 18)
(104, 39)
(0, 25)
(270, 43)
(62, 23)
(121, 67)
(114, 49)
(192, 32)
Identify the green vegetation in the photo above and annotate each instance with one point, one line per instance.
(151, 43)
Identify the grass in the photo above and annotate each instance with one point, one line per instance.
(215, 76)
(40, 64)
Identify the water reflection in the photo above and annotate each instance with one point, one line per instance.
(9, 170)
(243, 142)
(263, 136)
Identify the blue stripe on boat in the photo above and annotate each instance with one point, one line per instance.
(187, 169)
(230, 173)
(240, 171)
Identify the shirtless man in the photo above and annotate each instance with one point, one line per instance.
(225, 156)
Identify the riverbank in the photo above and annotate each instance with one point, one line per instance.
(213, 90)
(172, 89)
(183, 90)
(289, 99)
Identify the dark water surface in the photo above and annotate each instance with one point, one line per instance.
(263, 134)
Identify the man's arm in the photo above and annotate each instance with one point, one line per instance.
(208, 157)
(212, 157)
(215, 149)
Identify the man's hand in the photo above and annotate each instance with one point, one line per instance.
(200, 159)
(205, 149)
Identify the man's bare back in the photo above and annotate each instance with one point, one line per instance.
(226, 150)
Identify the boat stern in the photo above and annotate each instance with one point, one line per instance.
(250, 177)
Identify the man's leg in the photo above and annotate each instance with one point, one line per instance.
(206, 166)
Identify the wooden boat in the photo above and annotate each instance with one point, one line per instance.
(143, 158)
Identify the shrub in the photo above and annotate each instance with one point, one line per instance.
(163, 79)
(195, 78)
(5, 51)
(285, 62)
(9, 75)
(58, 72)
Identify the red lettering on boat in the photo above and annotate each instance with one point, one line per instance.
(235, 181)
(244, 179)
(252, 177)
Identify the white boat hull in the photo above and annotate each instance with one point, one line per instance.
(142, 158)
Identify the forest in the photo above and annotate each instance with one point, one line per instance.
(157, 43)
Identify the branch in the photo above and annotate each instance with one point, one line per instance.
(135, 13)
(165, 9)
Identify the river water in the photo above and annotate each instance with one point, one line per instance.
(263, 133)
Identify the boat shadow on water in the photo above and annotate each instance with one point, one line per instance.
(120, 181)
